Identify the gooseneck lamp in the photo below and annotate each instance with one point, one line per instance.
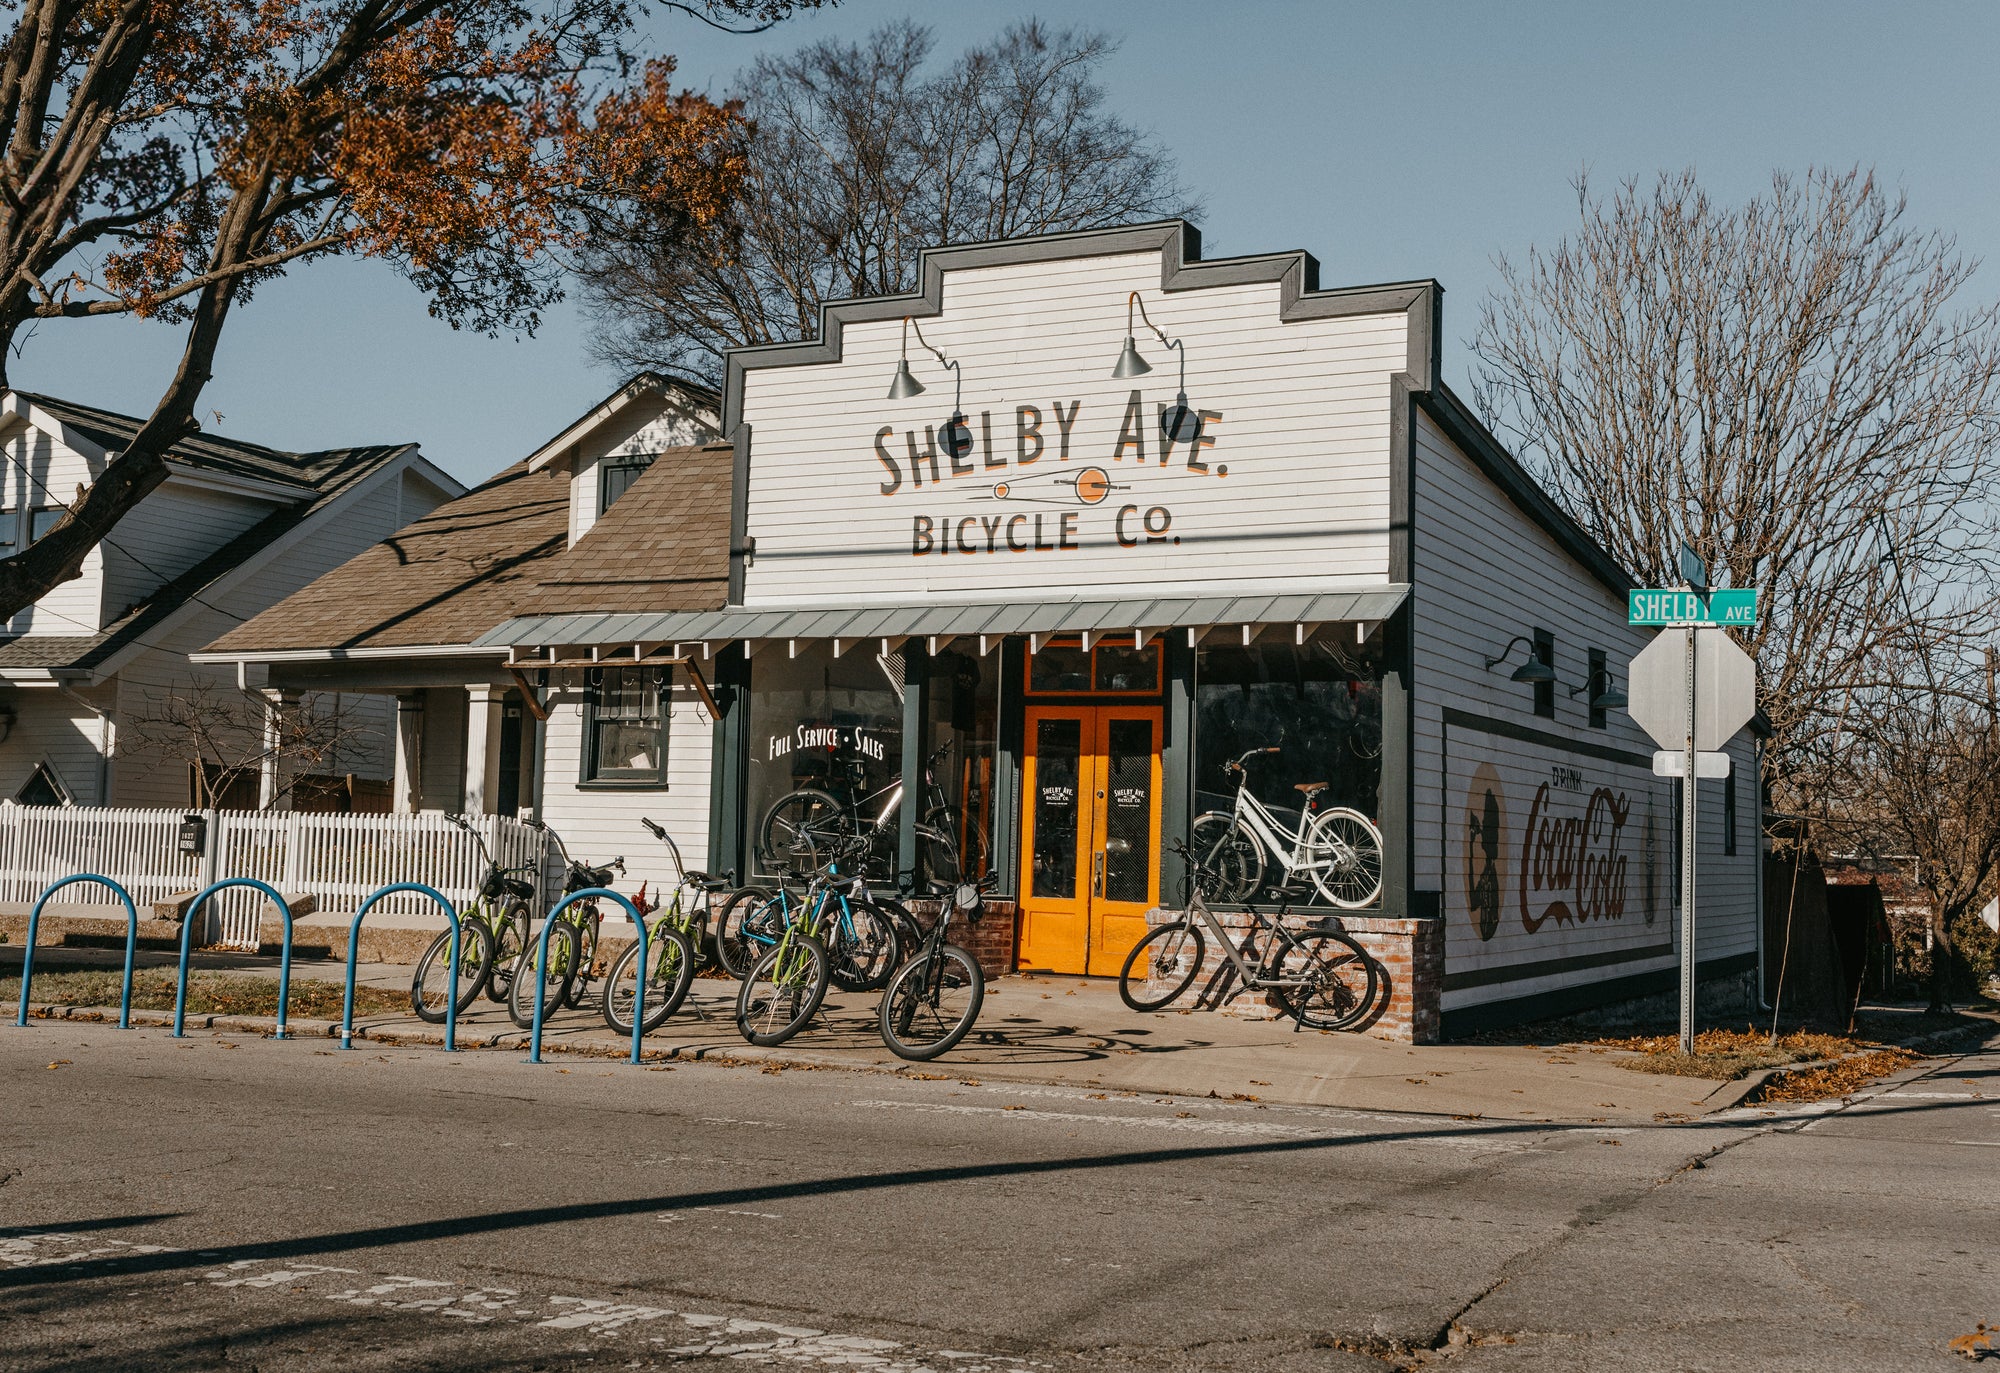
(1533, 670)
(1178, 421)
(1606, 695)
(957, 434)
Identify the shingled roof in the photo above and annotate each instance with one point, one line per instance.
(323, 472)
(317, 477)
(499, 551)
(445, 579)
(663, 546)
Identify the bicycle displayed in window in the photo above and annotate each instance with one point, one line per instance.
(810, 826)
(1318, 975)
(1337, 848)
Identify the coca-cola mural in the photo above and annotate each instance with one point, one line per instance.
(1581, 851)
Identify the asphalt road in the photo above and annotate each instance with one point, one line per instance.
(237, 1203)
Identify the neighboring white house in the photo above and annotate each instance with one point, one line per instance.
(234, 529)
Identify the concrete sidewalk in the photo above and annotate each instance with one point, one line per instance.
(1065, 1031)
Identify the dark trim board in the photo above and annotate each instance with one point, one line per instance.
(1493, 1015)
(1181, 269)
(1551, 967)
(1528, 734)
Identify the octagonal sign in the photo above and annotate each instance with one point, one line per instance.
(1725, 689)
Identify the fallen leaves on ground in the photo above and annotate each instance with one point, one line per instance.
(1727, 1054)
(1836, 1079)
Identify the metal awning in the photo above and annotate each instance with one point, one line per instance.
(1201, 616)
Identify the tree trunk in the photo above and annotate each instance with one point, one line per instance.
(1940, 980)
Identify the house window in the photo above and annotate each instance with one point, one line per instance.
(10, 532)
(1729, 813)
(1545, 692)
(43, 520)
(1595, 685)
(616, 475)
(624, 726)
(43, 788)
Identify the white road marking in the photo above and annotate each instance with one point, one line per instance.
(692, 1333)
(1981, 1143)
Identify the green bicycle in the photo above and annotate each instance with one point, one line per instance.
(572, 945)
(783, 990)
(674, 939)
(493, 926)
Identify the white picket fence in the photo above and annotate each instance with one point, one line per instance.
(339, 860)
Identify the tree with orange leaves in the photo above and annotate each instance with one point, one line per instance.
(163, 157)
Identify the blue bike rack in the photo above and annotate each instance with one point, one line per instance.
(131, 942)
(451, 965)
(187, 938)
(542, 958)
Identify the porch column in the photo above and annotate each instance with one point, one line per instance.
(407, 795)
(274, 773)
(482, 747)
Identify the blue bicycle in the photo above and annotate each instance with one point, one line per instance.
(863, 945)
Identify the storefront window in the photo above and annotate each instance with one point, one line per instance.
(961, 736)
(826, 757)
(1320, 706)
(1109, 665)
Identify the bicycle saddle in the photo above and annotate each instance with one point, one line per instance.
(1309, 787)
(708, 883)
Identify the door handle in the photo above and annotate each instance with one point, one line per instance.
(1097, 879)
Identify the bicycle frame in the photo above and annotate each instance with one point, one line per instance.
(1252, 975)
(1256, 817)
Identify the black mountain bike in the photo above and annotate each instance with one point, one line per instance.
(933, 1000)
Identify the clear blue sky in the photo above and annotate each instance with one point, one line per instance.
(1392, 142)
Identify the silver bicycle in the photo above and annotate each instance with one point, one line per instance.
(1338, 848)
(1318, 975)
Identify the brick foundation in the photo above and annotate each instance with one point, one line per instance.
(991, 940)
(1408, 955)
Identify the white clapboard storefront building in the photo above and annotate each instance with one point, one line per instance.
(1056, 632)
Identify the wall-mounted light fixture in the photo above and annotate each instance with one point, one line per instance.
(1533, 670)
(1603, 687)
(956, 435)
(1178, 421)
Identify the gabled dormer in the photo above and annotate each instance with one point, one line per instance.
(607, 449)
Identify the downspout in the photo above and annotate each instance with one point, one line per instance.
(107, 735)
(1757, 849)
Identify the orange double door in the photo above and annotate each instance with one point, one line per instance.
(1090, 840)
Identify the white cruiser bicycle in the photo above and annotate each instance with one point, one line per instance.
(1339, 848)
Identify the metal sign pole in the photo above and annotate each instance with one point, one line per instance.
(1687, 861)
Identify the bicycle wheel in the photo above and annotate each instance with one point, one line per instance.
(1342, 980)
(749, 924)
(862, 948)
(802, 830)
(430, 985)
(1343, 851)
(506, 951)
(1169, 957)
(578, 989)
(931, 1003)
(783, 991)
(1231, 857)
(949, 855)
(670, 964)
(554, 977)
